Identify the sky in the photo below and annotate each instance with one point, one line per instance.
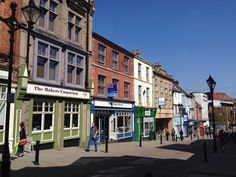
(190, 38)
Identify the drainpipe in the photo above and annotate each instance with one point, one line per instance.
(87, 46)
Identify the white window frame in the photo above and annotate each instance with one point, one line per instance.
(47, 68)
(101, 54)
(71, 113)
(73, 84)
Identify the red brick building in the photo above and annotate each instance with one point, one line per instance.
(112, 66)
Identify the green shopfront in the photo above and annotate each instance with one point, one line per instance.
(144, 122)
(55, 116)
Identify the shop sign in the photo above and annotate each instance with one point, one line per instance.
(54, 91)
(148, 119)
(3, 74)
(147, 113)
(112, 104)
(112, 90)
(161, 101)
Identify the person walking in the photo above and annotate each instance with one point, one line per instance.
(93, 135)
(23, 140)
(167, 134)
(173, 134)
(221, 138)
(181, 134)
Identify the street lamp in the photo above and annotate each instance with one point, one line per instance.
(13, 24)
(211, 83)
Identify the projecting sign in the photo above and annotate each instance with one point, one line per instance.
(161, 102)
(112, 90)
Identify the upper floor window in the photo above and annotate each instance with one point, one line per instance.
(126, 90)
(126, 65)
(101, 85)
(116, 81)
(140, 71)
(114, 60)
(75, 72)
(147, 74)
(74, 27)
(47, 62)
(101, 54)
(3, 98)
(140, 94)
(47, 18)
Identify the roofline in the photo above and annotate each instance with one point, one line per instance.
(112, 44)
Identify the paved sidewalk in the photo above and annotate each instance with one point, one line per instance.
(181, 159)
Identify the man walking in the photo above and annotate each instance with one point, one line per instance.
(93, 135)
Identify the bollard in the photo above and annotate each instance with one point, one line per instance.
(106, 147)
(176, 138)
(36, 160)
(161, 139)
(191, 137)
(140, 141)
(205, 152)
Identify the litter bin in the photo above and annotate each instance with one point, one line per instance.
(152, 135)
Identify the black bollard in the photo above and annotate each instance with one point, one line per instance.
(161, 139)
(106, 147)
(205, 152)
(140, 141)
(191, 137)
(36, 161)
(176, 138)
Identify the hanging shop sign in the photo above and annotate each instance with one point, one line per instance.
(54, 91)
(112, 90)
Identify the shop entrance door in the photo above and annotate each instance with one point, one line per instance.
(103, 129)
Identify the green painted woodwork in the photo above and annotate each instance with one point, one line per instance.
(66, 133)
(36, 137)
(48, 136)
(75, 132)
(56, 144)
(1, 137)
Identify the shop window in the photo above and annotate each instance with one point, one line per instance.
(128, 127)
(120, 124)
(3, 94)
(43, 112)
(71, 116)
(124, 123)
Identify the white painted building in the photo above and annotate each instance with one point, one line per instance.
(143, 97)
(202, 99)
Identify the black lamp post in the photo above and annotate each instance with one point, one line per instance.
(211, 83)
(29, 11)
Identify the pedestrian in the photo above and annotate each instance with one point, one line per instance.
(23, 140)
(92, 138)
(190, 133)
(167, 134)
(173, 134)
(221, 138)
(181, 134)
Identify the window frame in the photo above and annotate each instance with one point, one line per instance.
(115, 60)
(74, 64)
(102, 55)
(71, 112)
(126, 90)
(48, 58)
(139, 70)
(126, 65)
(103, 86)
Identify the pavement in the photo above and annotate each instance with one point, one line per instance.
(127, 159)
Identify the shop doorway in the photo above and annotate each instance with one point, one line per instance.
(103, 128)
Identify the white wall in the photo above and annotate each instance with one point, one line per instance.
(202, 99)
(143, 82)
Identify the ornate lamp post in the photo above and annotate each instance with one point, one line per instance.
(180, 106)
(31, 13)
(211, 83)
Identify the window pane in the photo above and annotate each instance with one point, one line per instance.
(80, 61)
(42, 18)
(101, 54)
(54, 52)
(69, 73)
(78, 76)
(37, 120)
(120, 124)
(70, 26)
(77, 34)
(42, 48)
(67, 121)
(3, 95)
(52, 70)
(41, 66)
(70, 58)
(51, 21)
(75, 120)
(53, 6)
(114, 60)
(48, 122)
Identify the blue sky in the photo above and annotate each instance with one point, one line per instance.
(190, 38)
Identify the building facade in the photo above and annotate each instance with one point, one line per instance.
(52, 96)
(112, 108)
(143, 91)
(163, 99)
